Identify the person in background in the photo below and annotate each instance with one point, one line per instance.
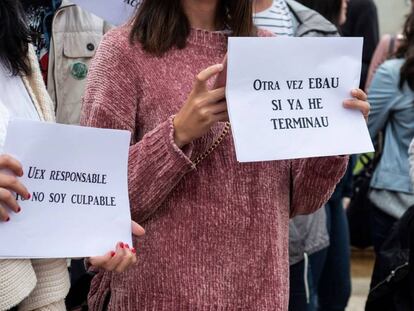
(334, 288)
(391, 96)
(386, 49)
(40, 284)
(231, 245)
(65, 38)
(392, 282)
(362, 21)
(308, 235)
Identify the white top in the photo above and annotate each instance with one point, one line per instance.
(15, 102)
(277, 19)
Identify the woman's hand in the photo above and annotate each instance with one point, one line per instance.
(202, 109)
(359, 103)
(122, 258)
(9, 183)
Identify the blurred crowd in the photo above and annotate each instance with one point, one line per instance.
(371, 206)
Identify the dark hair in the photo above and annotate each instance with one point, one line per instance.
(330, 9)
(406, 50)
(14, 38)
(160, 25)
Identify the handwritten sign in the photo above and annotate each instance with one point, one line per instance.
(285, 98)
(115, 12)
(77, 178)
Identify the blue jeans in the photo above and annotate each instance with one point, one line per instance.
(298, 298)
(335, 283)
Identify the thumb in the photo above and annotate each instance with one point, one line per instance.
(137, 229)
(99, 261)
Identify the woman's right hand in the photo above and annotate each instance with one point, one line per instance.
(9, 183)
(122, 258)
(202, 109)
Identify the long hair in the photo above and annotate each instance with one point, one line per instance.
(406, 50)
(14, 38)
(330, 9)
(160, 25)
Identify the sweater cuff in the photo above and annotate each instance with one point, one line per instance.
(17, 281)
(185, 152)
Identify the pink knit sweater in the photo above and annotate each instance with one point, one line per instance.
(216, 234)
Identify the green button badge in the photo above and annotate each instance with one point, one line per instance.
(79, 71)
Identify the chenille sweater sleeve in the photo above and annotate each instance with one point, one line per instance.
(313, 181)
(156, 164)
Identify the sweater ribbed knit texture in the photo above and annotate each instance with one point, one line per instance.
(42, 284)
(216, 234)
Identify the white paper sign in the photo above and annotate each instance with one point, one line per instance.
(77, 178)
(115, 12)
(285, 98)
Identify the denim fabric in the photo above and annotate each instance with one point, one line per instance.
(335, 283)
(392, 109)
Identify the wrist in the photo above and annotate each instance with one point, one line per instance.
(180, 138)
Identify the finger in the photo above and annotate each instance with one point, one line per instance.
(137, 230)
(201, 79)
(221, 117)
(9, 199)
(359, 94)
(12, 164)
(218, 107)
(101, 261)
(216, 95)
(127, 261)
(4, 216)
(360, 105)
(134, 252)
(12, 183)
(117, 258)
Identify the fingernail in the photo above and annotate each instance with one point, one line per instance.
(121, 245)
(19, 209)
(126, 246)
(29, 196)
(133, 250)
(8, 219)
(112, 254)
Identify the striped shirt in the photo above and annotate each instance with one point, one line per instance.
(277, 19)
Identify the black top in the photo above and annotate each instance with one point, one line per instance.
(362, 21)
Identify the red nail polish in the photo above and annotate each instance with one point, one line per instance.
(121, 245)
(19, 210)
(112, 254)
(126, 246)
(133, 250)
(8, 219)
(29, 196)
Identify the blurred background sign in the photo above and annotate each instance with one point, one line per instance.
(116, 12)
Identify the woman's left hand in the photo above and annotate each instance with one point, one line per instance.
(359, 102)
(122, 258)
